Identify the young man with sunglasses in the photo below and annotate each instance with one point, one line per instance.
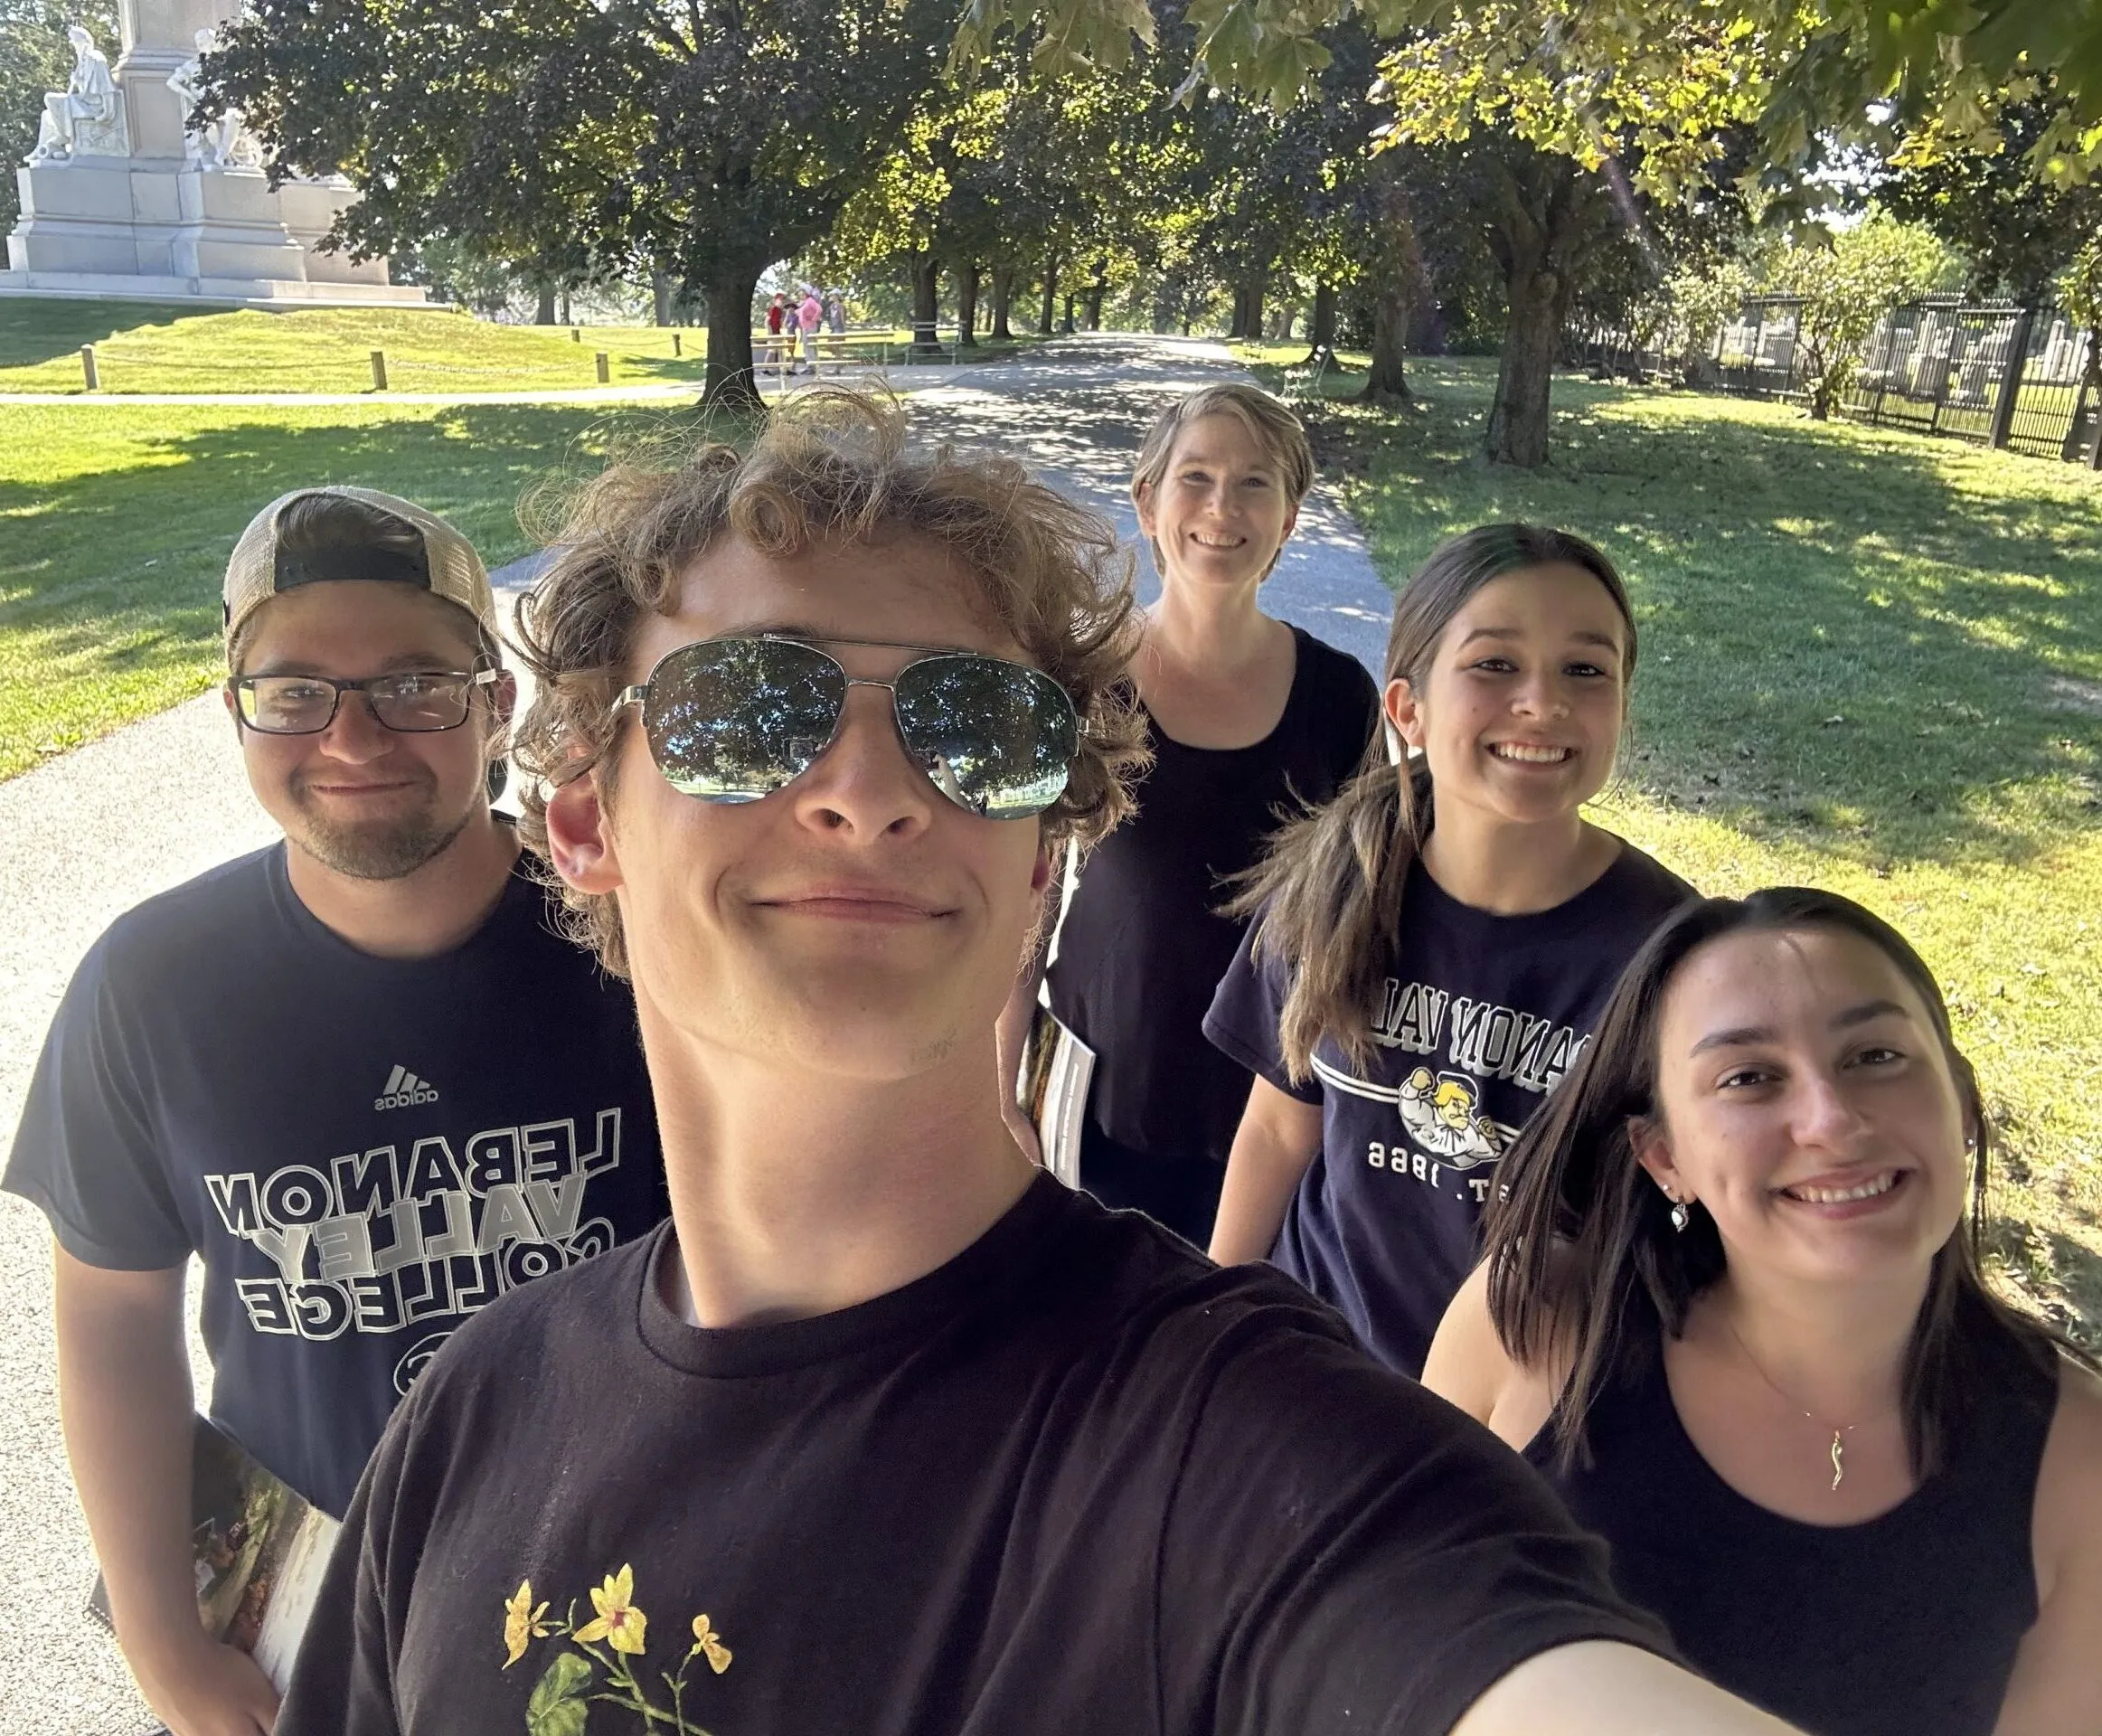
(887, 1432)
(359, 1073)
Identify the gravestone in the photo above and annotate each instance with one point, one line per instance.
(121, 199)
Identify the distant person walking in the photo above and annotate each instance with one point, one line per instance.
(835, 313)
(810, 315)
(777, 311)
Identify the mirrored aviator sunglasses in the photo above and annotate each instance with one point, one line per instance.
(734, 720)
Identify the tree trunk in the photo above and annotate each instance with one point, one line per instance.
(660, 283)
(1518, 416)
(1002, 293)
(1547, 217)
(1403, 281)
(925, 305)
(1068, 320)
(1237, 323)
(1321, 321)
(1096, 291)
(565, 309)
(1387, 382)
(727, 380)
(1051, 296)
(1256, 285)
(967, 307)
(544, 314)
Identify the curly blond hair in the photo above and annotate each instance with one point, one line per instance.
(828, 464)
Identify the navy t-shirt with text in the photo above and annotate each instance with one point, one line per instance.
(1481, 1015)
(364, 1151)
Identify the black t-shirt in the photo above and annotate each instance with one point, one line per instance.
(1482, 1015)
(364, 1151)
(1077, 1479)
(1142, 947)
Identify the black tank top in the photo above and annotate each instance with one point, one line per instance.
(1904, 1626)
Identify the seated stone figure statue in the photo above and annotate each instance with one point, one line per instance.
(223, 142)
(87, 118)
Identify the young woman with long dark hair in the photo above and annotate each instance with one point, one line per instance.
(1431, 948)
(1732, 1303)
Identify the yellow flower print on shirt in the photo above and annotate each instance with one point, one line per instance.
(708, 1641)
(521, 1622)
(596, 1671)
(619, 1624)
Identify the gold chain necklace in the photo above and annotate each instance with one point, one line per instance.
(1839, 1434)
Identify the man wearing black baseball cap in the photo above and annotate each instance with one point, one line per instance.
(361, 1074)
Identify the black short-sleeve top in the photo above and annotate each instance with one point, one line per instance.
(1143, 946)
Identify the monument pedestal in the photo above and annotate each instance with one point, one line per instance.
(161, 225)
(229, 228)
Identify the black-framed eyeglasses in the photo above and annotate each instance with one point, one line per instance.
(734, 719)
(415, 701)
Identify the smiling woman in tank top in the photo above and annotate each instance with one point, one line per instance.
(1245, 716)
(1731, 1304)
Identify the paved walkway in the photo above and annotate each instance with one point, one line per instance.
(88, 835)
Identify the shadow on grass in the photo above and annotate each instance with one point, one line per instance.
(2048, 1264)
(34, 330)
(1879, 645)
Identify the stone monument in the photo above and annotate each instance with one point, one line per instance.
(122, 198)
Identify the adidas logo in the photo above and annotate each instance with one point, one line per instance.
(402, 1089)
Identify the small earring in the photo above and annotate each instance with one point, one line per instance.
(1681, 1216)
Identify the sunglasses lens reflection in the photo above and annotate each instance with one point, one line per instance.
(734, 720)
(996, 738)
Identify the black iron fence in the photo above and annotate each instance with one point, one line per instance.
(1995, 373)
(1755, 354)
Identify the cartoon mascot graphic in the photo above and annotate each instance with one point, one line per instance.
(1440, 1115)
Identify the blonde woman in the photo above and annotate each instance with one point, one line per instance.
(1244, 716)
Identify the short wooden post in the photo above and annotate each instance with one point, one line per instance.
(379, 369)
(676, 350)
(576, 335)
(88, 372)
(603, 375)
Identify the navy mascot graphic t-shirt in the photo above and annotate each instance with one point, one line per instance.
(364, 1151)
(1481, 1017)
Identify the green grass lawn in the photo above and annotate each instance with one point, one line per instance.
(1870, 661)
(115, 525)
(140, 347)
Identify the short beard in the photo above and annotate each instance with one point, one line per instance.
(390, 851)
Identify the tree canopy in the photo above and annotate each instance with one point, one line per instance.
(1804, 66)
(614, 138)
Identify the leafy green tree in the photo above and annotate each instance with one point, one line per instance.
(1803, 67)
(1985, 195)
(608, 139)
(1849, 282)
(35, 57)
(1586, 107)
(1560, 168)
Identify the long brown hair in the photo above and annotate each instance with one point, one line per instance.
(1583, 1260)
(1327, 896)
